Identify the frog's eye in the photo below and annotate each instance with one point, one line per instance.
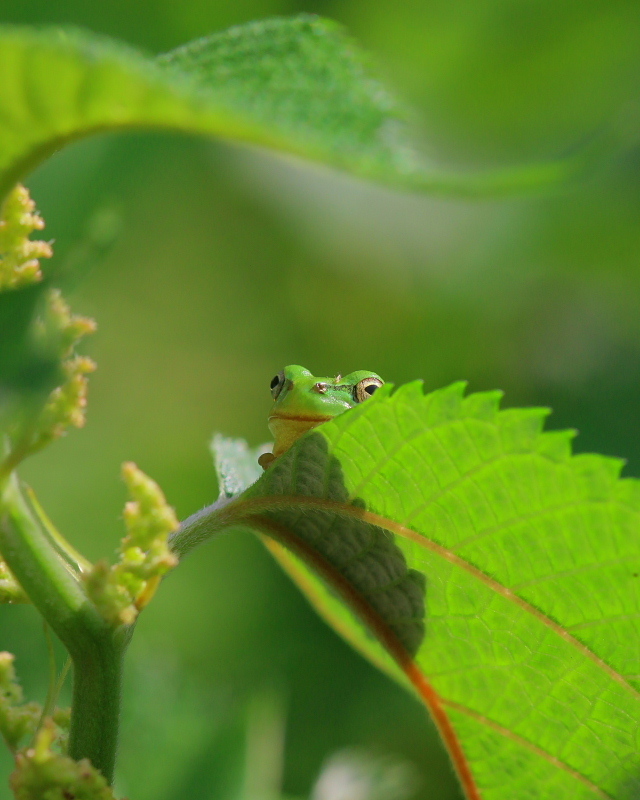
(277, 382)
(365, 388)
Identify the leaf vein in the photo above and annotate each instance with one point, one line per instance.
(243, 509)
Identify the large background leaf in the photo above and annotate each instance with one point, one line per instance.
(297, 85)
(531, 558)
(294, 84)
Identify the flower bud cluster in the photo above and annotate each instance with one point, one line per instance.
(41, 772)
(58, 331)
(67, 403)
(122, 590)
(17, 718)
(19, 265)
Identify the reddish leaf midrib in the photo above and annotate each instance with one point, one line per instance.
(248, 512)
(244, 508)
(384, 633)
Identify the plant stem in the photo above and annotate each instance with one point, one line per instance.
(95, 648)
(51, 586)
(95, 709)
(201, 526)
(52, 697)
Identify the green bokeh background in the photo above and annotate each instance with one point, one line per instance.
(209, 267)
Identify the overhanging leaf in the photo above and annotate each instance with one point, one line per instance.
(296, 85)
(529, 658)
(293, 84)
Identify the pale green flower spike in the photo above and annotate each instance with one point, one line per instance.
(17, 718)
(19, 265)
(64, 327)
(121, 591)
(67, 403)
(41, 773)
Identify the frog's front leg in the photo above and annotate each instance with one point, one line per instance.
(266, 460)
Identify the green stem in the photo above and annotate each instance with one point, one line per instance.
(202, 526)
(96, 650)
(51, 586)
(95, 708)
(51, 698)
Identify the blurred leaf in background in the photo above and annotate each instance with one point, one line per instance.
(231, 263)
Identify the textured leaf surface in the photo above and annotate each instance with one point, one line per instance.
(529, 630)
(295, 84)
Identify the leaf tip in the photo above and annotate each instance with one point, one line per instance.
(445, 402)
(520, 428)
(556, 445)
(482, 405)
(598, 474)
(407, 391)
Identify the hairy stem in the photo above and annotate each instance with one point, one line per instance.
(199, 527)
(95, 708)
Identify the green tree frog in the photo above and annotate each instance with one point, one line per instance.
(302, 401)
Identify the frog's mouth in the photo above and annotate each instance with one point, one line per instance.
(286, 428)
(300, 417)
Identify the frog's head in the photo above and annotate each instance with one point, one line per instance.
(302, 401)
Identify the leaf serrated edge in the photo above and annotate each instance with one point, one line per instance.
(522, 432)
(528, 423)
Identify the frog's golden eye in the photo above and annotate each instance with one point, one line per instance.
(277, 382)
(365, 388)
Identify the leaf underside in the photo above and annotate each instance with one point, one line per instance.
(296, 84)
(529, 628)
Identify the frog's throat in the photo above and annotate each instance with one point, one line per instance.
(287, 428)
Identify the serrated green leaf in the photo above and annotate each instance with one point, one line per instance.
(527, 645)
(294, 84)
